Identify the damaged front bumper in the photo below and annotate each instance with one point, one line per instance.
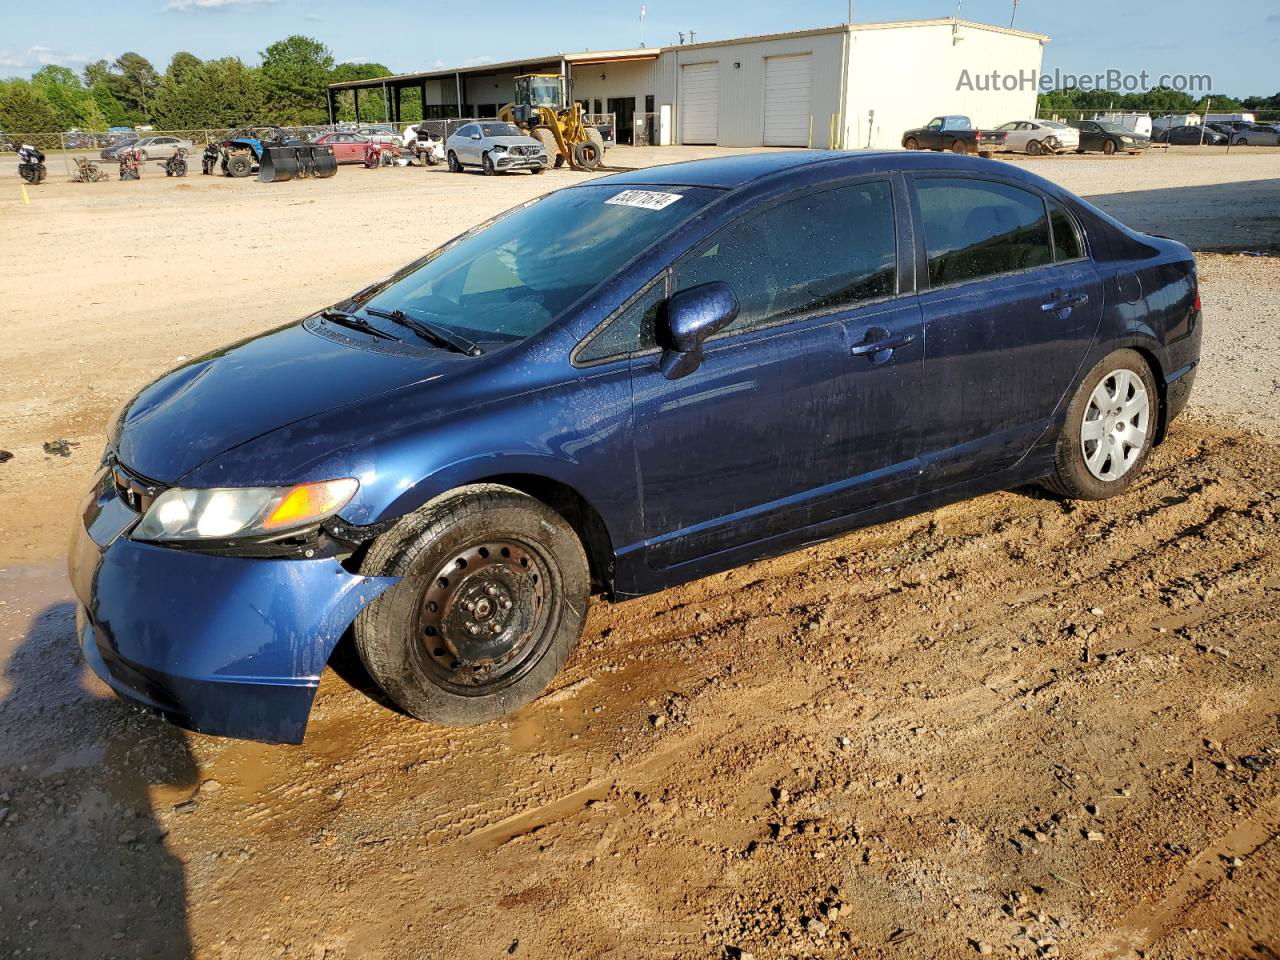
(225, 645)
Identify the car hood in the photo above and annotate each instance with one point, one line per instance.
(217, 402)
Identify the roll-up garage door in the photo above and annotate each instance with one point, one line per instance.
(787, 85)
(699, 102)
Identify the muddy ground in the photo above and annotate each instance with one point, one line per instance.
(1011, 725)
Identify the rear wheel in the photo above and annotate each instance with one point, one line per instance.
(1034, 148)
(454, 165)
(493, 596)
(959, 146)
(1111, 424)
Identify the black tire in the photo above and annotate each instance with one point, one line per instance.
(911, 143)
(486, 164)
(239, 165)
(1035, 148)
(596, 137)
(180, 167)
(538, 169)
(587, 155)
(1071, 477)
(1109, 147)
(423, 653)
(454, 165)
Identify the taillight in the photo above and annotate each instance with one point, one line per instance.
(1197, 299)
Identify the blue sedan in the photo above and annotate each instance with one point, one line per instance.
(619, 387)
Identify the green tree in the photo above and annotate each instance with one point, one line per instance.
(217, 93)
(25, 114)
(181, 66)
(294, 73)
(133, 80)
(53, 75)
(108, 107)
(371, 104)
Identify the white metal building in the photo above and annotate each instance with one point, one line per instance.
(847, 86)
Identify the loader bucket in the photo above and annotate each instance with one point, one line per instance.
(323, 162)
(277, 164)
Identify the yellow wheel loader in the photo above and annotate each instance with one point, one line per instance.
(543, 110)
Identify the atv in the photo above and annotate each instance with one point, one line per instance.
(242, 150)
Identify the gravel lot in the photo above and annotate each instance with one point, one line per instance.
(1011, 725)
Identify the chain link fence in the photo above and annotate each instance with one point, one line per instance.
(99, 147)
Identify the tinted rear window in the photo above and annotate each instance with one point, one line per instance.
(979, 228)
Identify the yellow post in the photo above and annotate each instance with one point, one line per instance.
(26, 201)
(811, 131)
(831, 133)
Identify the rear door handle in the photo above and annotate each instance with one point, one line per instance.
(878, 340)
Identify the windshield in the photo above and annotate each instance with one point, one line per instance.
(544, 92)
(501, 130)
(511, 278)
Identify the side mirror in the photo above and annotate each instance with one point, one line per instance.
(692, 316)
(475, 136)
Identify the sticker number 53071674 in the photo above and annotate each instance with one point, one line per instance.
(648, 199)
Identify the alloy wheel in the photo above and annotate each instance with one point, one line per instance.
(1116, 425)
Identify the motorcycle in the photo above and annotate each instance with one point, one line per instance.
(209, 159)
(130, 164)
(380, 155)
(176, 165)
(31, 164)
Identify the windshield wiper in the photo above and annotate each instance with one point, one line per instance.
(428, 331)
(350, 320)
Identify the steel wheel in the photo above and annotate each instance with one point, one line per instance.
(1116, 425)
(483, 617)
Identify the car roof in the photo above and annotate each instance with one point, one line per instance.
(739, 169)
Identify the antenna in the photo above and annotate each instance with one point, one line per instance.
(1014, 15)
(643, 11)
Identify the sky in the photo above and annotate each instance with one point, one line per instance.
(1235, 41)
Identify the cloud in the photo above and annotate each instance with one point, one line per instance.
(1273, 18)
(186, 6)
(40, 57)
(478, 61)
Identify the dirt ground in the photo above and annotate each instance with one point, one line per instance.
(1012, 727)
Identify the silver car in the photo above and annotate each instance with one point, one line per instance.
(162, 147)
(1039, 136)
(494, 147)
(1256, 135)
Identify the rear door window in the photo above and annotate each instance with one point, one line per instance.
(980, 228)
(1066, 236)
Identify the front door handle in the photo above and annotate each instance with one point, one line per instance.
(877, 340)
(1063, 301)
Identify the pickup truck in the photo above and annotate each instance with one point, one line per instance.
(956, 134)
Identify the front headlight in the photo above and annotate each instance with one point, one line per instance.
(226, 513)
(498, 148)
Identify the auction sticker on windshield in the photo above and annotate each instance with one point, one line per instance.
(648, 199)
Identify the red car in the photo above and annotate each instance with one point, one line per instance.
(347, 147)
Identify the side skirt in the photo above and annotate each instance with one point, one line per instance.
(635, 578)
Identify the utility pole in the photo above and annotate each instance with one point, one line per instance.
(1014, 15)
(643, 11)
(849, 18)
